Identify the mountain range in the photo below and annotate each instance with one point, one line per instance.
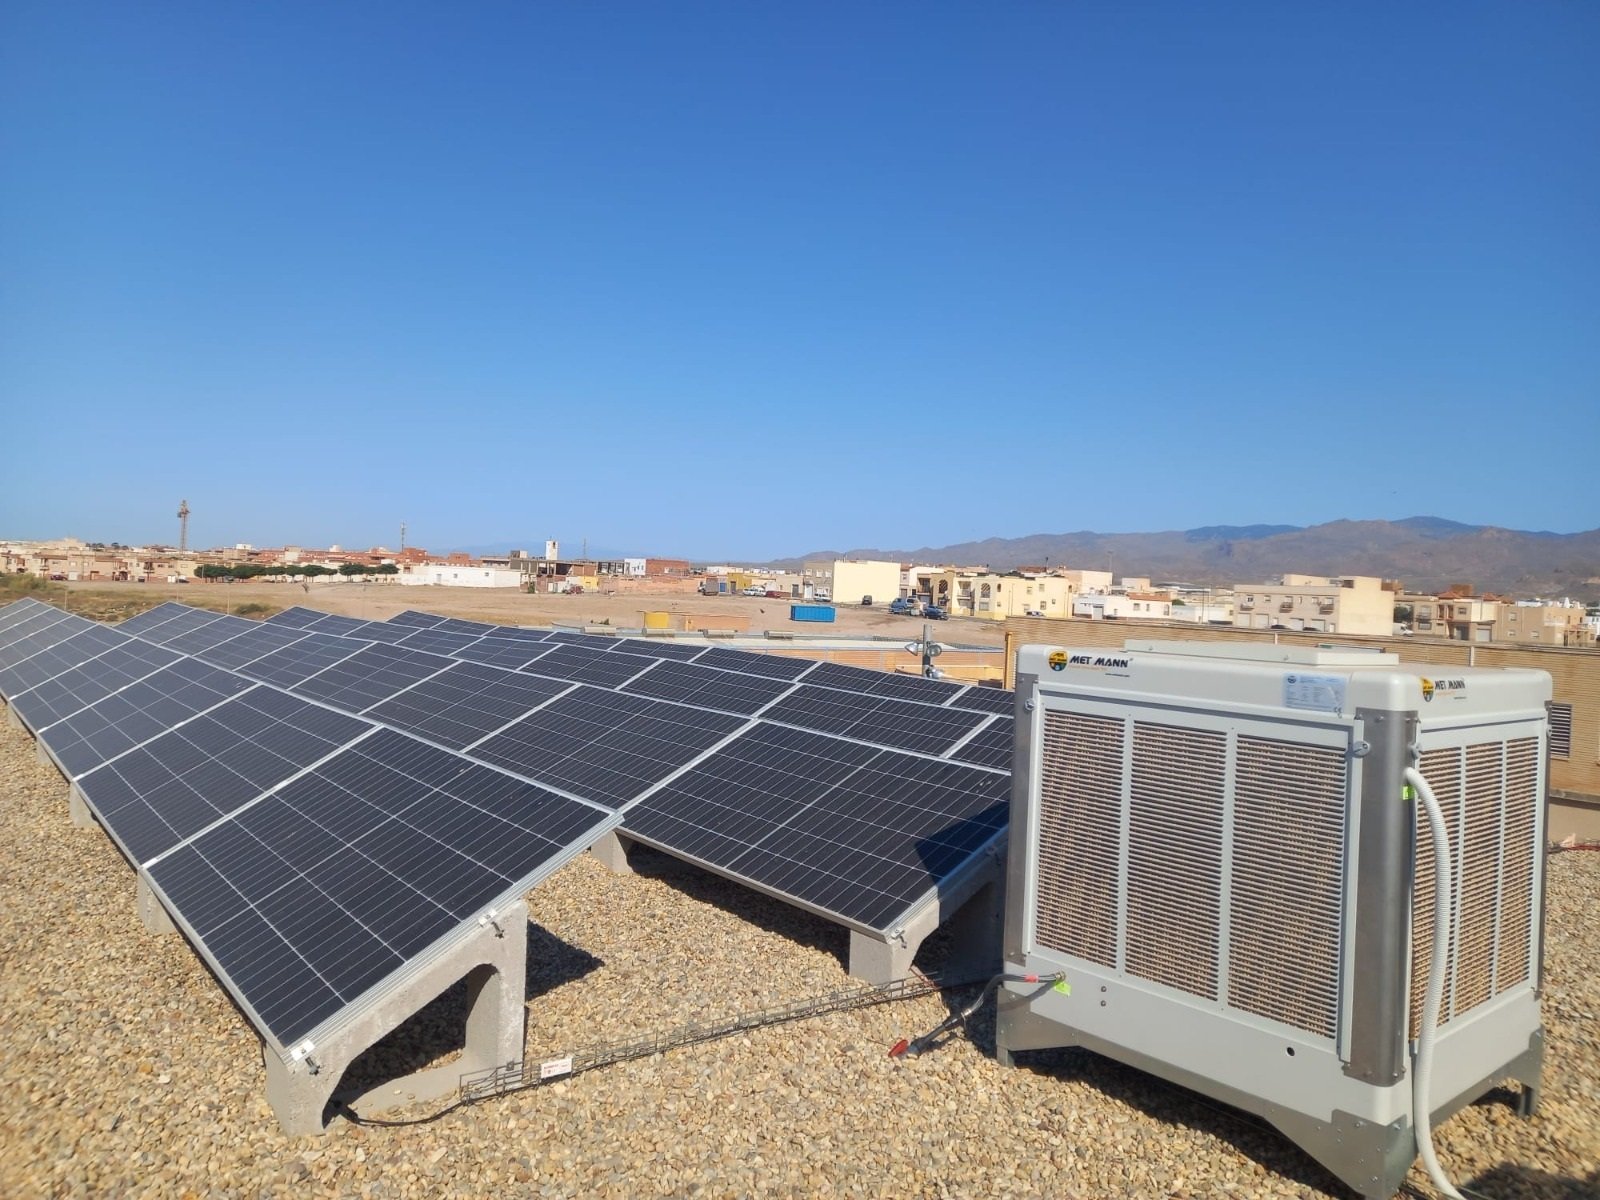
(1425, 553)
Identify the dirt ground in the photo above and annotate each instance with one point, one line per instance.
(379, 601)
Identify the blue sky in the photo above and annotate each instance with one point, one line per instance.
(750, 280)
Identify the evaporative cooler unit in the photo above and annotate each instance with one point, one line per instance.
(1227, 851)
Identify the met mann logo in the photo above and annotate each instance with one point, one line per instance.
(1099, 660)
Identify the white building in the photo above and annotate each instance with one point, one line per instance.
(1114, 606)
(449, 575)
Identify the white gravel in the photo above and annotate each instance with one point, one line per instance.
(130, 1074)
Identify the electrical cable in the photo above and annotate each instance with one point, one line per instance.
(928, 1041)
(479, 1086)
(1422, 1111)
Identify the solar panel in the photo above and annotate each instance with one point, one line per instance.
(371, 675)
(19, 610)
(454, 625)
(184, 621)
(989, 747)
(297, 617)
(775, 666)
(200, 637)
(879, 683)
(412, 617)
(438, 641)
(987, 699)
(376, 631)
(516, 633)
(138, 713)
(338, 625)
(152, 617)
(466, 703)
(858, 833)
(50, 661)
(605, 746)
(582, 665)
(879, 719)
(502, 653)
(29, 637)
(690, 683)
(96, 679)
(302, 659)
(657, 648)
(315, 896)
(573, 638)
(255, 642)
(156, 795)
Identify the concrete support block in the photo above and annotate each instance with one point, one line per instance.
(972, 908)
(151, 912)
(493, 961)
(78, 809)
(612, 850)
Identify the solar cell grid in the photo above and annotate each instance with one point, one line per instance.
(583, 665)
(137, 713)
(723, 805)
(377, 631)
(466, 703)
(185, 621)
(989, 747)
(155, 796)
(857, 832)
(298, 617)
(438, 641)
(370, 676)
(605, 746)
(455, 625)
(412, 617)
(502, 653)
(152, 617)
(339, 626)
(82, 686)
(573, 637)
(301, 659)
(256, 642)
(200, 637)
(776, 666)
(725, 691)
(56, 659)
(318, 893)
(657, 648)
(987, 699)
(36, 636)
(880, 719)
(880, 683)
(18, 611)
(516, 633)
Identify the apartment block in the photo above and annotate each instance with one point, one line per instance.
(1317, 604)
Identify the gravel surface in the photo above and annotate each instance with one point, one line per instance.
(132, 1075)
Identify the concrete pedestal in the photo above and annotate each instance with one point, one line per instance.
(494, 964)
(151, 912)
(612, 850)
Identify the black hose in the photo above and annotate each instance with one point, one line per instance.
(928, 1041)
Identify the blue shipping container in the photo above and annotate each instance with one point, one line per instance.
(811, 612)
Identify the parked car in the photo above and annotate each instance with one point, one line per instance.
(934, 613)
(903, 607)
(822, 595)
(866, 602)
(753, 590)
(775, 594)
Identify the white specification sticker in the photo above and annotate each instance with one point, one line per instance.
(1324, 693)
(552, 1067)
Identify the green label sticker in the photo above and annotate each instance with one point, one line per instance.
(1062, 986)
(1407, 792)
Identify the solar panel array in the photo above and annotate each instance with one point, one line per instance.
(854, 793)
(311, 855)
(733, 759)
